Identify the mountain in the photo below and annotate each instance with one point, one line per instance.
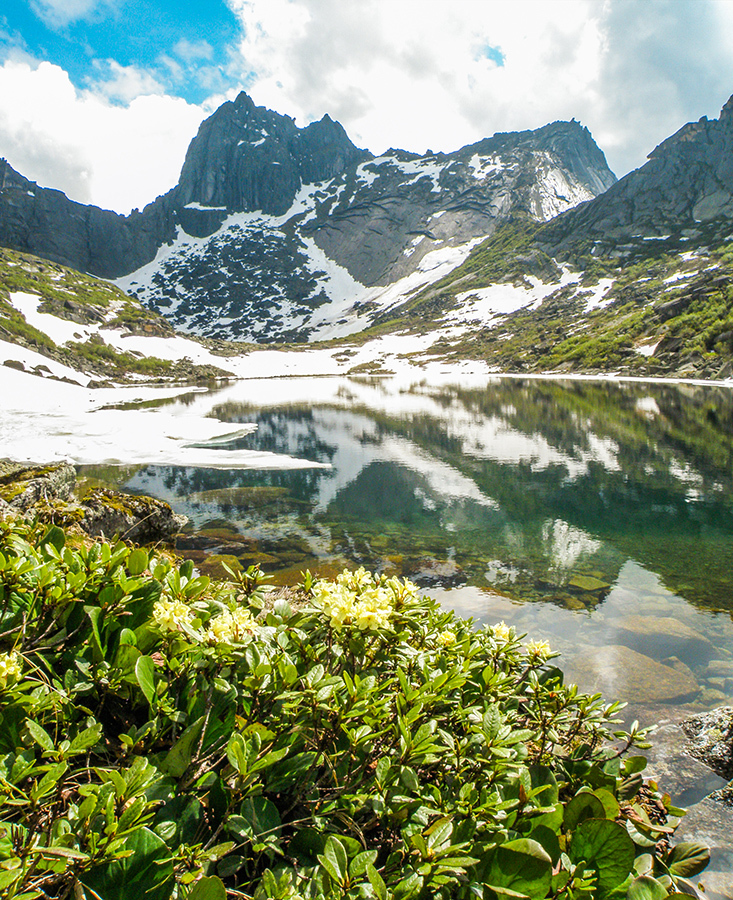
(637, 281)
(687, 181)
(276, 232)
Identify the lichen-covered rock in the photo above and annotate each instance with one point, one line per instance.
(711, 739)
(22, 487)
(142, 519)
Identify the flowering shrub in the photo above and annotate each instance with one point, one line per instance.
(163, 738)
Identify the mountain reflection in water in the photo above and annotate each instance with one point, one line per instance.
(582, 509)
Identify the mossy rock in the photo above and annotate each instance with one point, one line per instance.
(130, 517)
(22, 487)
(588, 583)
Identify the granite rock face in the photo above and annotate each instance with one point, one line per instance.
(687, 180)
(248, 158)
(46, 223)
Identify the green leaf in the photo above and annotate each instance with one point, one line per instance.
(144, 669)
(522, 866)
(84, 740)
(646, 888)
(334, 860)
(261, 816)
(55, 537)
(688, 858)
(361, 861)
(610, 804)
(606, 847)
(211, 888)
(146, 873)
(548, 839)
(178, 758)
(137, 562)
(583, 806)
(40, 735)
(377, 882)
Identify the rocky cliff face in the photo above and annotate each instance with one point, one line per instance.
(688, 181)
(275, 231)
(45, 222)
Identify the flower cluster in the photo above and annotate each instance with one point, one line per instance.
(231, 626)
(172, 615)
(360, 599)
(446, 638)
(538, 651)
(502, 632)
(10, 668)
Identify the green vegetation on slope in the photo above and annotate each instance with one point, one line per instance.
(75, 297)
(668, 310)
(163, 737)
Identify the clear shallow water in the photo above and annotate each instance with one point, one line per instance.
(598, 515)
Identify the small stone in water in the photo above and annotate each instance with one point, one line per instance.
(588, 583)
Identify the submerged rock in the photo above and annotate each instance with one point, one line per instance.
(663, 636)
(436, 573)
(619, 671)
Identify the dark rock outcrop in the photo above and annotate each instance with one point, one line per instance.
(46, 223)
(688, 180)
(246, 157)
(243, 158)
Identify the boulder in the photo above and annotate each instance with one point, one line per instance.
(22, 487)
(711, 739)
(436, 573)
(145, 520)
(662, 636)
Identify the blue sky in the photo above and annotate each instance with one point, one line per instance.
(184, 45)
(100, 98)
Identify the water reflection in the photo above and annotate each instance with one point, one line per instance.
(608, 506)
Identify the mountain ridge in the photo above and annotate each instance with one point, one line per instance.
(298, 225)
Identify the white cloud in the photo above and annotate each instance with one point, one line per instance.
(415, 74)
(58, 13)
(124, 83)
(191, 51)
(118, 157)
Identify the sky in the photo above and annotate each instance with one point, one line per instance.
(100, 98)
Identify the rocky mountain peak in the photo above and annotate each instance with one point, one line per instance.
(687, 180)
(246, 157)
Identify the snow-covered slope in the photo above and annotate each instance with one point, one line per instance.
(353, 246)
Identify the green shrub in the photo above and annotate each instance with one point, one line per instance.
(163, 737)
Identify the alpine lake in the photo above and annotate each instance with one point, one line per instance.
(597, 515)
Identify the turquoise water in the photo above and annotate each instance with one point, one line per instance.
(598, 515)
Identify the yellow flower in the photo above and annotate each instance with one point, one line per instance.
(10, 668)
(502, 632)
(356, 598)
(446, 639)
(538, 651)
(172, 615)
(232, 627)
